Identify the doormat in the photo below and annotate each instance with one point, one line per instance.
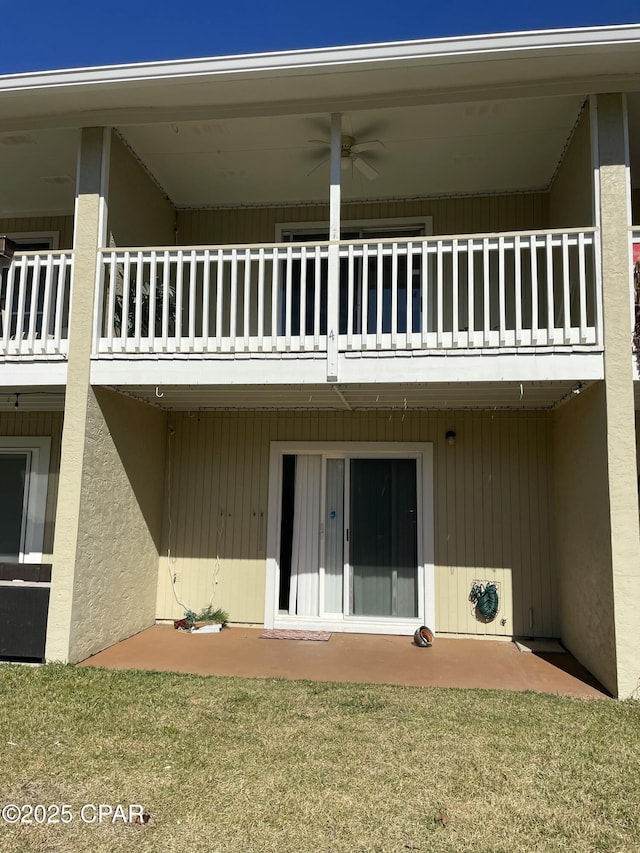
(281, 634)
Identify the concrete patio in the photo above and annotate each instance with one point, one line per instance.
(465, 663)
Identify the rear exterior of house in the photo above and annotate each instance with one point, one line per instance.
(326, 338)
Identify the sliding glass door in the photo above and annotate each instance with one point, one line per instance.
(349, 537)
(383, 538)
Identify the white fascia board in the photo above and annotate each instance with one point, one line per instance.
(330, 58)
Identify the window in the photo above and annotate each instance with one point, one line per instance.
(24, 471)
(371, 230)
(23, 290)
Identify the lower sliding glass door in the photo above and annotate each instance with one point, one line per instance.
(348, 537)
(382, 536)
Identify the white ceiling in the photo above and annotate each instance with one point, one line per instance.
(380, 397)
(428, 150)
(38, 172)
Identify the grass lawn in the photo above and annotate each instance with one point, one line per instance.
(230, 764)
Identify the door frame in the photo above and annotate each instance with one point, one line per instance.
(423, 453)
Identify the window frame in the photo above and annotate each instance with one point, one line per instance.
(38, 451)
(22, 238)
(285, 230)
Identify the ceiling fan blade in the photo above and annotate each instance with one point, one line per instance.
(365, 168)
(318, 165)
(320, 142)
(370, 145)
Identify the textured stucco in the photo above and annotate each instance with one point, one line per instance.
(110, 493)
(86, 236)
(595, 451)
(584, 533)
(623, 490)
(139, 214)
(120, 521)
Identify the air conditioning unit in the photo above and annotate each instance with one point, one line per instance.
(24, 608)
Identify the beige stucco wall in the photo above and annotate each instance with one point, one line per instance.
(139, 213)
(571, 194)
(493, 509)
(584, 532)
(61, 602)
(112, 459)
(120, 522)
(470, 214)
(62, 224)
(623, 493)
(48, 425)
(595, 455)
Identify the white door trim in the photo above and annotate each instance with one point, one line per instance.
(423, 452)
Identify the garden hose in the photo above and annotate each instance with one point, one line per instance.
(485, 599)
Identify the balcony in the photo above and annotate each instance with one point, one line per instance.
(35, 301)
(520, 294)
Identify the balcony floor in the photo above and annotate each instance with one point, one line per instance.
(463, 663)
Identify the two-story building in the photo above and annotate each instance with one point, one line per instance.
(325, 337)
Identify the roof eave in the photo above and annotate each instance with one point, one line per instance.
(475, 47)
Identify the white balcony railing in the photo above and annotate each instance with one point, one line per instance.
(35, 299)
(535, 289)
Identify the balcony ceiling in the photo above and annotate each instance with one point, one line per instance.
(440, 149)
(429, 150)
(38, 172)
(375, 397)
(383, 398)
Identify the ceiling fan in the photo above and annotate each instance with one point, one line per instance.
(351, 155)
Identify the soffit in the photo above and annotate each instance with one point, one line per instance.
(368, 76)
(374, 397)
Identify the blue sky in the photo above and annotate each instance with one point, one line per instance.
(73, 33)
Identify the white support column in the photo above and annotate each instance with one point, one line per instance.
(333, 264)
